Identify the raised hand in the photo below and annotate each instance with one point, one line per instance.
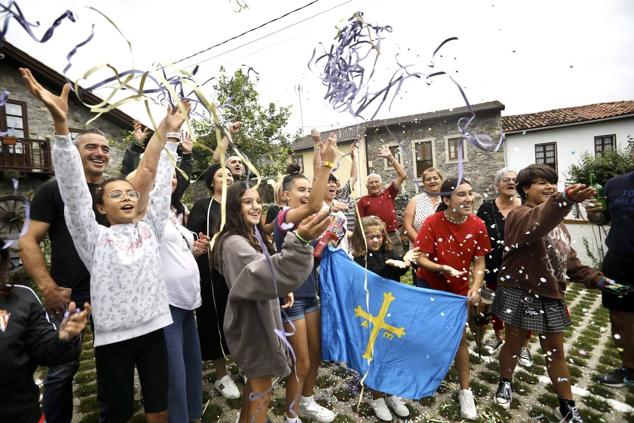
(353, 150)
(56, 105)
(315, 135)
(186, 143)
(579, 192)
(473, 295)
(140, 133)
(234, 128)
(74, 322)
(175, 117)
(313, 226)
(328, 151)
(385, 152)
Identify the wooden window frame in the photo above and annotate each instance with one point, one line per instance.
(602, 139)
(544, 145)
(25, 117)
(415, 162)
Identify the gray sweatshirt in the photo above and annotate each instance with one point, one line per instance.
(253, 314)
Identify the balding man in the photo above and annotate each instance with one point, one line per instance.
(234, 163)
(380, 202)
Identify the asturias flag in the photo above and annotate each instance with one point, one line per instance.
(410, 334)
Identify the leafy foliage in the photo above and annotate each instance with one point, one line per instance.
(262, 137)
(605, 166)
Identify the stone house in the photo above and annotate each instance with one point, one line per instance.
(26, 148)
(418, 142)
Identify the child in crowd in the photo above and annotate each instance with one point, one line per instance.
(302, 318)
(128, 295)
(253, 324)
(381, 259)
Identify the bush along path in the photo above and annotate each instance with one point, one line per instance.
(590, 351)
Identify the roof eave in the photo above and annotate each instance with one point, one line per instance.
(565, 125)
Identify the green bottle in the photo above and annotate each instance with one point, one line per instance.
(600, 195)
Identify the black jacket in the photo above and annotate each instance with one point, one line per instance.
(27, 339)
(376, 264)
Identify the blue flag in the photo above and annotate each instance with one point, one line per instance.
(410, 335)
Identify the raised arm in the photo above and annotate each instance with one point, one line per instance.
(328, 153)
(354, 168)
(186, 167)
(386, 153)
(78, 212)
(222, 146)
(160, 197)
(143, 178)
(132, 154)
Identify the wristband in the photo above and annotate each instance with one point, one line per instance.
(566, 198)
(298, 236)
(317, 146)
(441, 269)
(175, 135)
(328, 164)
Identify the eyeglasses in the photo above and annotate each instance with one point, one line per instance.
(117, 195)
(508, 180)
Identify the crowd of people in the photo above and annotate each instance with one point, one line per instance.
(168, 288)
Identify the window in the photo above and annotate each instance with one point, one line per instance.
(546, 154)
(603, 143)
(423, 156)
(299, 159)
(13, 119)
(396, 152)
(451, 148)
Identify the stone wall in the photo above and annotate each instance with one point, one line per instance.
(41, 127)
(479, 168)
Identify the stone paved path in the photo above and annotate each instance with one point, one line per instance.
(589, 347)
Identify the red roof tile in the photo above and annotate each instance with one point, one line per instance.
(567, 116)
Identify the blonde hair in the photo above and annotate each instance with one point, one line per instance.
(358, 243)
(430, 170)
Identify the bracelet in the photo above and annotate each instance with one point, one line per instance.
(298, 236)
(441, 269)
(566, 198)
(317, 146)
(328, 164)
(175, 135)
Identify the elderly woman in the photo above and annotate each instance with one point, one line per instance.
(423, 205)
(532, 280)
(494, 214)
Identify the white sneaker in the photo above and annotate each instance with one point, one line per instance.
(238, 418)
(227, 387)
(295, 420)
(309, 408)
(525, 358)
(380, 409)
(397, 405)
(467, 404)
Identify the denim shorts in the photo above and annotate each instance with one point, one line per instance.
(300, 308)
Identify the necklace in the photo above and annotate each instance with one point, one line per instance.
(455, 221)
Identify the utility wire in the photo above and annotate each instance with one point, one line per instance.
(266, 36)
(246, 32)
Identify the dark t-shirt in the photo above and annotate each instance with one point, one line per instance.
(67, 269)
(619, 192)
(494, 222)
(376, 263)
(197, 222)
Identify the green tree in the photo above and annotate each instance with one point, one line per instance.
(604, 166)
(262, 138)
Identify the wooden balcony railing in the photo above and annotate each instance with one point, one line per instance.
(26, 155)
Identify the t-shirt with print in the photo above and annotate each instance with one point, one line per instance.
(309, 288)
(619, 192)
(67, 269)
(382, 206)
(454, 245)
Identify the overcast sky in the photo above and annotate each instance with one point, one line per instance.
(531, 55)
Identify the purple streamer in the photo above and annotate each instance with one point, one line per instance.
(12, 10)
(77, 47)
(344, 74)
(4, 96)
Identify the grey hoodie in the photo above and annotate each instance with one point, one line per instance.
(253, 310)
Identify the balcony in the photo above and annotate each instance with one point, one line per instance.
(26, 155)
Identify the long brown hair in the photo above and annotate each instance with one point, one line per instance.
(358, 242)
(236, 224)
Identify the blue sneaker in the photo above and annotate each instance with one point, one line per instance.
(618, 378)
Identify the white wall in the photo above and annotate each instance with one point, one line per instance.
(572, 142)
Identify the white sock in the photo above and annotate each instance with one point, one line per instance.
(305, 399)
(291, 419)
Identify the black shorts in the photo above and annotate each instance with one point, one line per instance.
(115, 374)
(620, 269)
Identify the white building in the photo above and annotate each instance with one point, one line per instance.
(559, 137)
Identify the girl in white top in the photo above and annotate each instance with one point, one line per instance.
(128, 293)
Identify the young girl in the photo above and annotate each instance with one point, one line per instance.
(382, 260)
(128, 294)
(253, 324)
(450, 241)
(532, 281)
(304, 312)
